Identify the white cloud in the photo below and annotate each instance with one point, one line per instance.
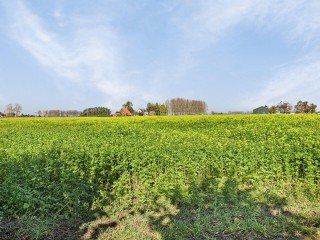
(301, 79)
(209, 20)
(298, 21)
(293, 83)
(88, 55)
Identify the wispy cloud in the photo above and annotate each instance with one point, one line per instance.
(299, 20)
(88, 49)
(296, 21)
(209, 20)
(292, 83)
(301, 79)
(88, 55)
(201, 24)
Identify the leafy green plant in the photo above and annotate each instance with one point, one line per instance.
(71, 166)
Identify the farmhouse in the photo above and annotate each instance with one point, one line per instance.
(152, 113)
(261, 110)
(123, 112)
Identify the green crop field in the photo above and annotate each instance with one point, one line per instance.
(173, 177)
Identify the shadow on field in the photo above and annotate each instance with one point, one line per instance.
(53, 201)
(220, 210)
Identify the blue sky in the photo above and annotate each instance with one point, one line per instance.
(235, 55)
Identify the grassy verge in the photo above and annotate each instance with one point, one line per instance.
(218, 210)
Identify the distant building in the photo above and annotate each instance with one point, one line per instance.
(122, 112)
(261, 110)
(125, 112)
(152, 113)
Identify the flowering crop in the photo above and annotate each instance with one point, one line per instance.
(70, 165)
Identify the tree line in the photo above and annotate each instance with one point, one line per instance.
(181, 106)
(13, 110)
(96, 111)
(175, 106)
(158, 108)
(59, 113)
(300, 107)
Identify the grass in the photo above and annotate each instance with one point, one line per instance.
(219, 210)
(232, 212)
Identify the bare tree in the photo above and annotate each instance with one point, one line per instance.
(305, 107)
(298, 108)
(9, 110)
(284, 107)
(54, 113)
(39, 112)
(180, 106)
(17, 109)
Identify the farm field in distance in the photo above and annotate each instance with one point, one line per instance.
(171, 177)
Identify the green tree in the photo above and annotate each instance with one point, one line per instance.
(151, 107)
(273, 109)
(128, 105)
(141, 111)
(163, 109)
(159, 109)
(312, 108)
(96, 112)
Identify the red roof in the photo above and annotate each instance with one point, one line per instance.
(125, 112)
